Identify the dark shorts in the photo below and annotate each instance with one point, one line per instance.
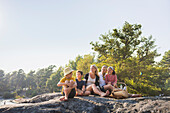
(72, 93)
(103, 90)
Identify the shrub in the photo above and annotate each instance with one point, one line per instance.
(8, 95)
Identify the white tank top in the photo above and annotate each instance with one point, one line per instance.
(90, 80)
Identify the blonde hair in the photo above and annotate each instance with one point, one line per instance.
(96, 72)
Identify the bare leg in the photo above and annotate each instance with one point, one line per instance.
(117, 89)
(108, 87)
(97, 91)
(93, 87)
(67, 92)
(89, 88)
(79, 92)
(134, 95)
(121, 94)
(65, 86)
(72, 82)
(86, 93)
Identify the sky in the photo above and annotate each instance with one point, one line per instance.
(37, 33)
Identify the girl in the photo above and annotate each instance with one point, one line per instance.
(92, 82)
(111, 77)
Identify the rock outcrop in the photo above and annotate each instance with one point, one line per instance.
(50, 103)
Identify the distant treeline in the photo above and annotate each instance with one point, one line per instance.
(132, 56)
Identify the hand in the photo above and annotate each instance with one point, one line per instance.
(109, 82)
(115, 85)
(69, 84)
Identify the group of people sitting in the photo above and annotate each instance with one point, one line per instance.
(102, 83)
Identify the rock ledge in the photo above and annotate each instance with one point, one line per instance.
(50, 103)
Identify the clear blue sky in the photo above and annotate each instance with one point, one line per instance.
(38, 33)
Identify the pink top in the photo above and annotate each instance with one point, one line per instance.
(111, 78)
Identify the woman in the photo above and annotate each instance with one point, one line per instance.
(111, 77)
(92, 82)
(103, 85)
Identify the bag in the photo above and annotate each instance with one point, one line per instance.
(121, 94)
(121, 91)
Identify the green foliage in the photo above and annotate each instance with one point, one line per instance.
(31, 92)
(34, 93)
(18, 97)
(126, 43)
(8, 95)
(84, 63)
(165, 62)
(54, 79)
(73, 64)
(32, 83)
(131, 54)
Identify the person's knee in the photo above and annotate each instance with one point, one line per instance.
(66, 81)
(110, 86)
(65, 89)
(72, 82)
(88, 92)
(93, 85)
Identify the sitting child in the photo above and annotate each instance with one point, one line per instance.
(111, 77)
(81, 90)
(68, 83)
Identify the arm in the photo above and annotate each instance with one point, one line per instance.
(76, 88)
(75, 85)
(61, 84)
(106, 80)
(83, 88)
(97, 81)
(115, 82)
(86, 78)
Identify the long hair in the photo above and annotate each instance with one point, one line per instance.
(113, 73)
(96, 72)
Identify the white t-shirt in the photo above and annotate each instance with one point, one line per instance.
(101, 80)
(90, 80)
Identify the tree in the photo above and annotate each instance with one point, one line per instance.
(30, 80)
(21, 76)
(2, 73)
(54, 79)
(145, 53)
(42, 75)
(84, 63)
(164, 79)
(2, 84)
(73, 64)
(130, 54)
(126, 43)
(165, 62)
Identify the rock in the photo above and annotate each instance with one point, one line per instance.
(50, 103)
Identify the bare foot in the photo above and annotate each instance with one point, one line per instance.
(62, 98)
(79, 94)
(76, 94)
(107, 93)
(136, 95)
(103, 94)
(66, 98)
